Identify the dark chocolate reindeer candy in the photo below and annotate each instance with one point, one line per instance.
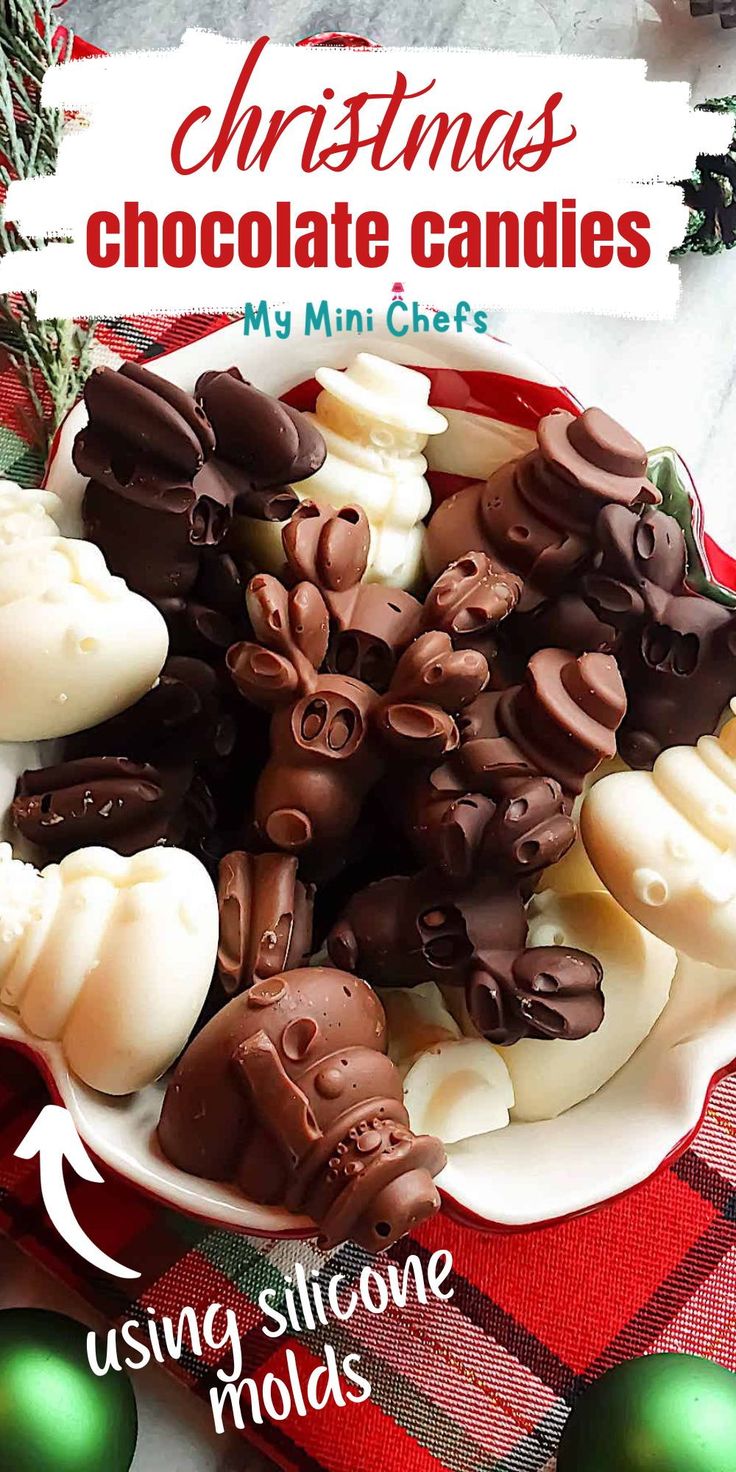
(106, 801)
(680, 674)
(289, 1094)
(405, 931)
(640, 558)
(543, 992)
(263, 445)
(141, 778)
(462, 832)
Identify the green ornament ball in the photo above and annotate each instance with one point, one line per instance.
(661, 1413)
(55, 1414)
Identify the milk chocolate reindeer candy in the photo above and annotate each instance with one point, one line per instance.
(289, 1094)
(331, 735)
(370, 625)
(468, 601)
(265, 918)
(535, 516)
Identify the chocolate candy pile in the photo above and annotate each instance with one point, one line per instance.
(378, 772)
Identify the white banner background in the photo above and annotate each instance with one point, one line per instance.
(632, 136)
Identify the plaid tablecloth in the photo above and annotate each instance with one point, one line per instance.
(480, 1384)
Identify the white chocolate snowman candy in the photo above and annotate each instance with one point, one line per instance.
(26, 515)
(664, 843)
(418, 1018)
(458, 1089)
(111, 957)
(76, 645)
(454, 1087)
(550, 1076)
(375, 420)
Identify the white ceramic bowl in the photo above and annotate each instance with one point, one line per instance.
(527, 1174)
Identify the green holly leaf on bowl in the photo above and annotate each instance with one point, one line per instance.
(680, 499)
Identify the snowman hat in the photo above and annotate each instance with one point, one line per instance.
(388, 392)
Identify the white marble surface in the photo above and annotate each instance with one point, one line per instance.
(670, 382)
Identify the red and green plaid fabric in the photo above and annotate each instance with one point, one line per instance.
(482, 1383)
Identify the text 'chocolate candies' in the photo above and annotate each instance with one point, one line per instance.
(662, 1413)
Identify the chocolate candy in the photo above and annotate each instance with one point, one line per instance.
(535, 515)
(561, 722)
(149, 414)
(370, 624)
(640, 557)
(146, 445)
(462, 832)
(469, 599)
(185, 718)
(544, 992)
(382, 623)
(103, 801)
(680, 676)
(159, 502)
(154, 503)
(139, 779)
(265, 918)
(263, 445)
(289, 1094)
(331, 735)
(675, 649)
(404, 931)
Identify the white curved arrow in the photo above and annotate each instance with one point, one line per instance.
(53, 1138)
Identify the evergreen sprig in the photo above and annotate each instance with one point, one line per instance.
(711, 194)
(50, 354)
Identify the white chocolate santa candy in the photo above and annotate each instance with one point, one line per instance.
(76, 645)
(111, 957)
(664, 843)
(550, 1076)
(457, 1089)
(26, 515)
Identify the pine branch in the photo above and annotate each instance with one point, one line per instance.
(51, 356)
(711, 194)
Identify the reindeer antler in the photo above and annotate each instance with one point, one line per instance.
(470, 598)
(293, 632)
(431, 682)
(329, 549)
